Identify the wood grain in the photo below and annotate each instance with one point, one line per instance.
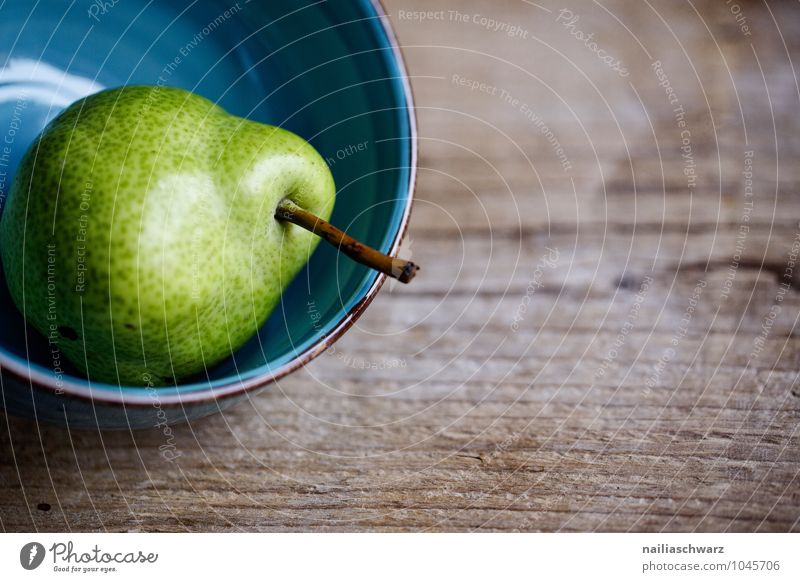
(645, 379)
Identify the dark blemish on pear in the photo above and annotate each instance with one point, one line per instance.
(67, 332)
(43, 507)
(130, 326)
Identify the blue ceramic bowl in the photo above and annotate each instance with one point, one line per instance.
(329, 71)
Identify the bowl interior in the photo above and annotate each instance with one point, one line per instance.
(325, 70)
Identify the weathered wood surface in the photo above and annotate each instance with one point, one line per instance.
(600, 409)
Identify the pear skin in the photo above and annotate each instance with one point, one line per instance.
(140, 237)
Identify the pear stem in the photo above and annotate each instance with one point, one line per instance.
(400, 269)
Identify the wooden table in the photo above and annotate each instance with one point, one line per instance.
(604, 336)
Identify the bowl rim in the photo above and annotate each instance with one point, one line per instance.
(238, 387)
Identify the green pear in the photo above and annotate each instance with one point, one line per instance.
(140, 234)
